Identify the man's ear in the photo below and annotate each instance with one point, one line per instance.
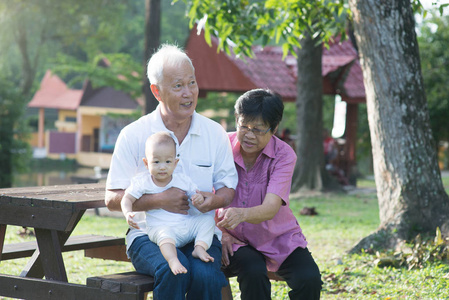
(145, 161)
(155, 90)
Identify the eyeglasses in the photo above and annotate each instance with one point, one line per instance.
(256, 131)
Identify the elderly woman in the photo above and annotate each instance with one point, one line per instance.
(260, 232)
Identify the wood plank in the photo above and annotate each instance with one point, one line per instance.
(74, 243)
(40, 216)
(51, 254)
(114, 252)
(128, 282)
(2, 238)
(82, 195)
(32, 288)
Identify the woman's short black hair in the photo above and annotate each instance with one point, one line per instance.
(260, 103)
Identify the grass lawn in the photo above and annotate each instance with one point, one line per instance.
(342, 220)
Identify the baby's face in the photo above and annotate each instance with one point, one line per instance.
(162, 163)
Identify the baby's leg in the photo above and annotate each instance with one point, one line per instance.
(168, 250)
(200, 251)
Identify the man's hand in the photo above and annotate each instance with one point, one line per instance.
(197, 199)
(226, 251)
(208, 203)
(174, 200)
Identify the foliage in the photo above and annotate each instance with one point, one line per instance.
(14, 151)
(117, 70)
(240, 24)
(417, 254)
(433, 43)
(40, 29)
(221, 104)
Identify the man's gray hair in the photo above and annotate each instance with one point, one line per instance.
(166, 55)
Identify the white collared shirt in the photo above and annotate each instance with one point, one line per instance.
(205, 154)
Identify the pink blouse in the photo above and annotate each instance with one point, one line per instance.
(272, 173)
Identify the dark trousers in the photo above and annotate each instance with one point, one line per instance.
(299, 270)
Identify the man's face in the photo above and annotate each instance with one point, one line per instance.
(178, 91)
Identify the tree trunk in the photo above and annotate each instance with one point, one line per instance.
(309, 171)
(28, 67)
(152, 42)
(409, 189)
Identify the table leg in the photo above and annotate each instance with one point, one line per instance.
(47, 259)
(50, 249)
(2, 238)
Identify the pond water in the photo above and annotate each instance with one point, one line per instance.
(40, 177)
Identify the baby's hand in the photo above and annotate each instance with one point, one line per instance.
(129, 218)
(197, 199)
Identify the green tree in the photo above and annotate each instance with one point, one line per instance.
(14, 152)
(433, 42)
(152, 43)
(31, 34)
(37, 30)
(410, 192)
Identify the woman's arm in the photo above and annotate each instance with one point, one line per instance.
(235, 215)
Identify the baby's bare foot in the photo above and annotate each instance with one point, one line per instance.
(176, 267)
(201, 253)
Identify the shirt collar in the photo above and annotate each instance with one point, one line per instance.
(159, 125)
(269, 149)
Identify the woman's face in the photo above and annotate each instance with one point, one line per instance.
(253, 135)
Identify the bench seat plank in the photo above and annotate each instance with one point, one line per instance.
(128, 282)
(79, 242)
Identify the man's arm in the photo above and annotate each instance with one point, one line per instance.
(172, 200)
(222, 198)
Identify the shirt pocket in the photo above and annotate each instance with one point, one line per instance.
(202, 173)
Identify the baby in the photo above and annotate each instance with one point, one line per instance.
(169, 230)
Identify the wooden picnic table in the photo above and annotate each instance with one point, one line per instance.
(53, 212)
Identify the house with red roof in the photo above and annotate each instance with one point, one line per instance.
(89, 120)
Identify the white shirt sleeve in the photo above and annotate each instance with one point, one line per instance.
(225, 173)
(124, 162)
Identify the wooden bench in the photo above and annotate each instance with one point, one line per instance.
(80, 242)
(140, 284)
(133, 282)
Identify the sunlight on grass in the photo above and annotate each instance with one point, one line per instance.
(342, 220)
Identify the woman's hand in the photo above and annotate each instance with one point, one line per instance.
(231, 217)
(227, 241)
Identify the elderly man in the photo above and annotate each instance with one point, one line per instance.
(205, 156)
